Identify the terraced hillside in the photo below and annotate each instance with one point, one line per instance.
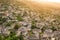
(22, 20)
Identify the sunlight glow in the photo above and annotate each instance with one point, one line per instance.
(58, 1)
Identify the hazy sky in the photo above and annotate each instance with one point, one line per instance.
(57, 1)
(47, 0)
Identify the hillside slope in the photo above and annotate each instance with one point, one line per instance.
(25, 20)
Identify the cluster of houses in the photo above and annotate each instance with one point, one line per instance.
(25, 21)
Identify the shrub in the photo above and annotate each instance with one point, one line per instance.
(16, 26)
(2, 20)
(21, 37)
(19, 18)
